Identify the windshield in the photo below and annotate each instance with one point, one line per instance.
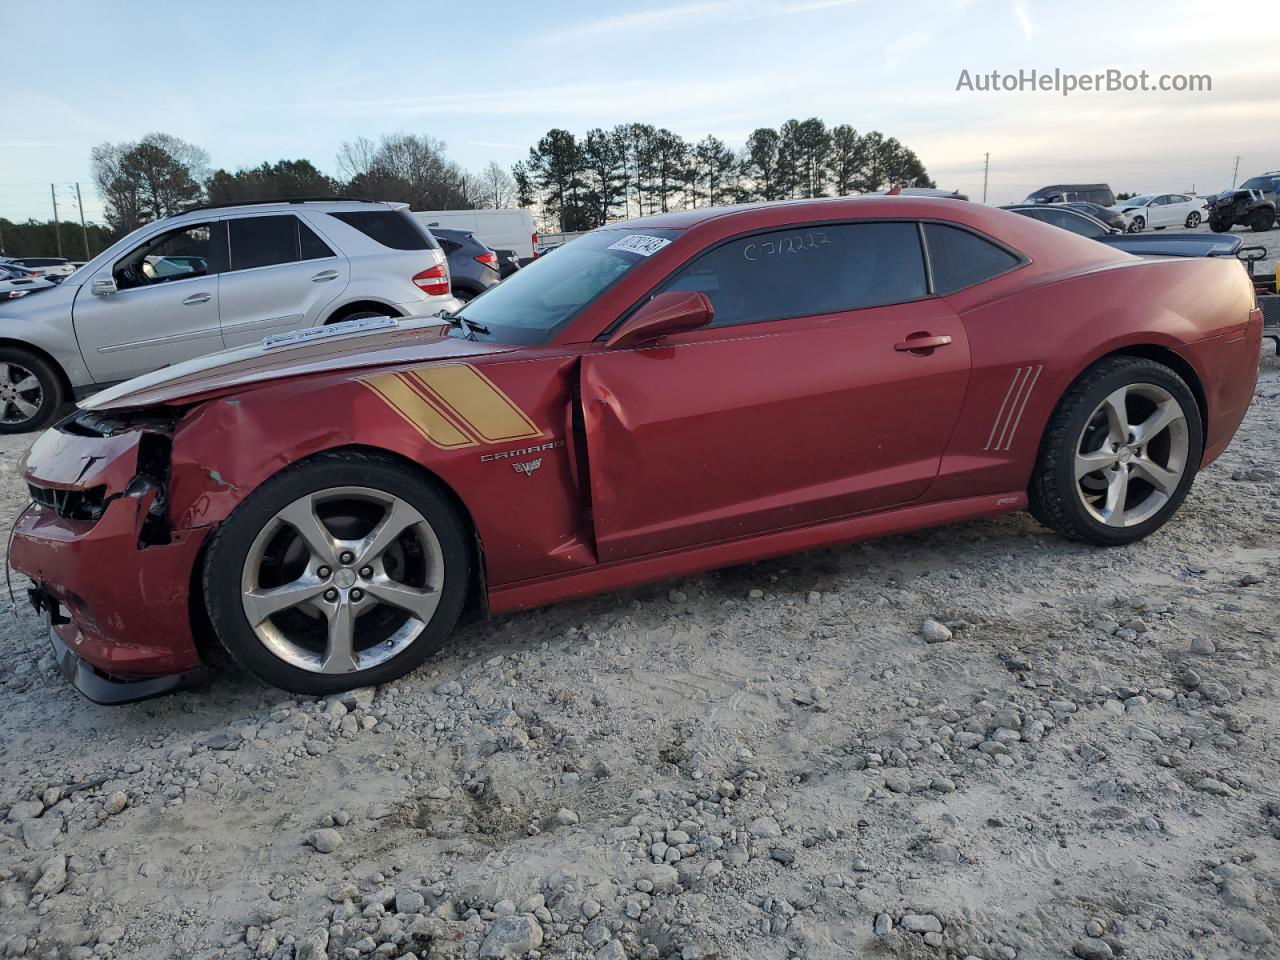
(531, 305)
(1137, 201)
(1257, 183)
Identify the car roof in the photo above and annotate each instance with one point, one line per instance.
(321, 204)
(765, 214)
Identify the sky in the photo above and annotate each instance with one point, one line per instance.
(263, 81)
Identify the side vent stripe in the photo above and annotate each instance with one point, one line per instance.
(1012, 407)
(1022, 408)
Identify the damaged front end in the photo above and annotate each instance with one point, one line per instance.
(111, 577)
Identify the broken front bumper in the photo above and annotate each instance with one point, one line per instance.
(116, 596)
(93, 683)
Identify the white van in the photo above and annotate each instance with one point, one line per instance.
(510, 229)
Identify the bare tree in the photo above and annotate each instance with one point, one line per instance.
(407, 167)
(497, 189)
(355, 158)
(152, 178)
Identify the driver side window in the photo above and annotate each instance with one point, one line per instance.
(174, 255)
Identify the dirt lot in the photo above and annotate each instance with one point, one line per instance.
(767, 762)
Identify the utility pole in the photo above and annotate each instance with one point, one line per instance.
(986, 168)
(83, 229)
(57, 231)
(1235, 173)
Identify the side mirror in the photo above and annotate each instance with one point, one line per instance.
(665, 314)
(103, 286)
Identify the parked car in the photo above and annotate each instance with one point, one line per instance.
(473, 267)
(1143, 245)
(217, 277)
(16, 281)
(1098, 193)
(1067, 217)
(1252, 204)
(512, 228)
(1112, 218)
(1160, 210)
(46, 266)
(508, 262)
(660, 397)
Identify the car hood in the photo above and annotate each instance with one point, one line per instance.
(413, 341)
(52, 295)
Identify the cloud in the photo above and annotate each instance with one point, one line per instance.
(559, 103)
(686, 15)
(1023, 16)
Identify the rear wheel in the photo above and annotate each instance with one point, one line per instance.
(463, 295)
(1120, 453)
(361, 315)
(343, 571)
(1193, 220)
(31, 391)
(1261, 220)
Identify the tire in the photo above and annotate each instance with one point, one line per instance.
(293, 647)
(463, 295)
(1261, 220)
(1137, 225)
(1193, 220)
(1219, 226)
(1081, 432)
(31, 391)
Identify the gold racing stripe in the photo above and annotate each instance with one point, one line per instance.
(477, 402)
(418, 411)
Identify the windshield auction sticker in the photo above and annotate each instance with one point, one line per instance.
(639, 243)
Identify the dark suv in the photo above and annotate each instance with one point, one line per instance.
(473, 267)
(1252, 204)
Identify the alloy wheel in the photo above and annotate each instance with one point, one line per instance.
(21, 395)
(342, 580)
(1131, 455)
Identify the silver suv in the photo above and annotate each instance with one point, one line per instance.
(208, 279)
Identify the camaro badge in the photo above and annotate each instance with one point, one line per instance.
(527, 467)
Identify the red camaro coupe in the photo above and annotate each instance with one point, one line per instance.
(659, 397)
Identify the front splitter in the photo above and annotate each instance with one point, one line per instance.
(114, 691)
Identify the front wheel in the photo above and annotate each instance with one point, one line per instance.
(1137, 225)
(343, 571)
(31, 392)
(1193, 220)
(1219, 226)
(1119, 454)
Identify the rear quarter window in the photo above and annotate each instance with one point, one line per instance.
(391, 228)
(959, 258)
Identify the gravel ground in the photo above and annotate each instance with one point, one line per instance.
(765, 762)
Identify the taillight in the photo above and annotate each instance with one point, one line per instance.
(434, 281)
(535, 245)
(489, 259)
